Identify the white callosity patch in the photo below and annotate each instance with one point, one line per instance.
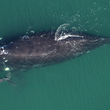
(0, 38)
(7, 69)
(6, 60)
(3, 51)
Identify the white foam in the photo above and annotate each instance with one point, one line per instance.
(63, 32)
(66, 36)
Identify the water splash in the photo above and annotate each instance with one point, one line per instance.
(64, 31)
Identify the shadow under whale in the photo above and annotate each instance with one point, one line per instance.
(42, 50)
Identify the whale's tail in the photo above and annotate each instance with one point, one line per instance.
(7, 78)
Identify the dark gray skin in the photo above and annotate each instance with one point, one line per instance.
(42, 50)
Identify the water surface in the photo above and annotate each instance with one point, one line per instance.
(79, 84)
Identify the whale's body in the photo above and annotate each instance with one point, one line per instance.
(42, 50)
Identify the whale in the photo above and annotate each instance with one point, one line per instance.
(43, 49)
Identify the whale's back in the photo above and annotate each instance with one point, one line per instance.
(44, 50)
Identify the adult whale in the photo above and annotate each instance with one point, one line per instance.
(44, 49)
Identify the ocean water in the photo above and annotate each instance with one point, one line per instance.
(79, 84)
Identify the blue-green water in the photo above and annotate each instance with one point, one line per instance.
(79, 84)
